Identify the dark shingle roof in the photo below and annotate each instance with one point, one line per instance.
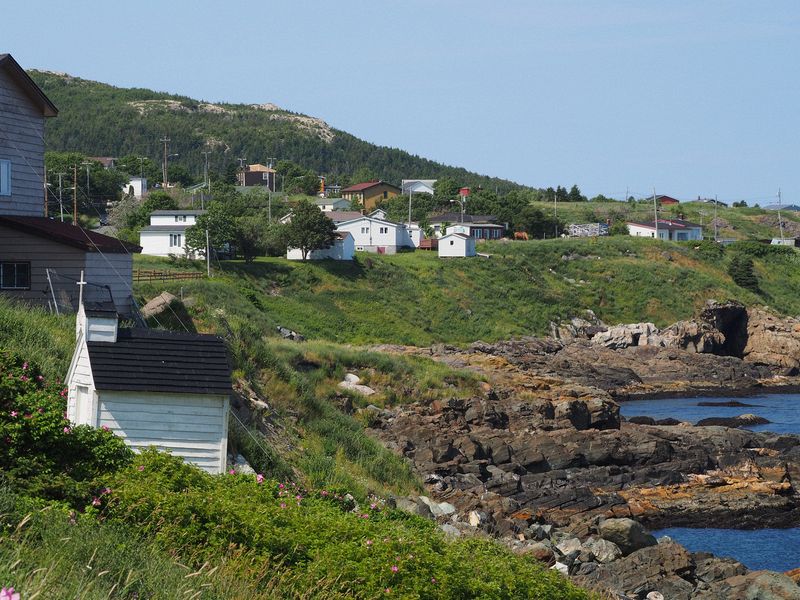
(454, 217)
(71, 235)
(161, 361)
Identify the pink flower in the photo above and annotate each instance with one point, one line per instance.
(433, 579)
(365, 516)
(140, 467)
(232, 472)
(40, 411)
(298, 497)
(95, 501)
(24, 366)
(105, 428)
(39, 378)
(67, 430)
(13, 413)
(395, 568)
(283, 504)
(106, 490)
(8, 594)
(259, 478)
(280, 486)
(24, 377)
(324, 492)
(368, 542)
(387, 591)
(373, 506)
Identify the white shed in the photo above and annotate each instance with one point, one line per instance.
(151, 388)
(456, 245)
(343, 248)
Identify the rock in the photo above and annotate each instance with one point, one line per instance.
(438, 509)
(728, 403)
(642, 420)
(561, 568)
(476, 519)
(364, 390)
(288, 334)
(450, 531)
(628, 534)
(352, 378)
(624, 336)
(538, 551)
(772, 341)
(740, 421)
(240, 465)
(158, 305)
(604, 551)
(772, 586)
(569, 546)
(654, 596)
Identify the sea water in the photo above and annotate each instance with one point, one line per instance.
(773, 549)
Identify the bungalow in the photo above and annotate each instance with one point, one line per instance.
(666, 200)
(417, 186)
(37, 253)
(456, 245)
(337, 216)
(369, 193)
(343, 248)
(480, 227)
(166, 234)
(377, 235)
(331, 204)
(676, 230)
(151, 388)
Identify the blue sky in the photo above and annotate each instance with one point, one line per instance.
(692, 98)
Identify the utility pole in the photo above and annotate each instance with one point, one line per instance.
(241, 168)
(45, 192)
(206, 180)
(87, 164)
(409, 207)
(166, 141)
(60, 201)
(208, 256)
(655, 211)
(141, 166)
(74, 194)
(271, 183)
(716, 203)
(780, 221)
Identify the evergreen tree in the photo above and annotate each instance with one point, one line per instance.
(741, 271)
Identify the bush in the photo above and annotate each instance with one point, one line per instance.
(741, 271)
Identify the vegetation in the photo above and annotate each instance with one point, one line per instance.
(310, 229)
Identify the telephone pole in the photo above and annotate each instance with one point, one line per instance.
(655, 212)
(166, 141)
(60, 201)
(74, 194)
(716, 203)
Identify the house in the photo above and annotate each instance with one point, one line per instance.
(456, 245)
(676, 230)
(376, 235)
(481, 227)
(327, 205)
(166, 234)
(417, 186)
(369, 193)
(378, 213)
(337, 216)
(151, 388)
(136, 187)
(343, 248)
(666, 200)
(256, 175)
(107, 162)
(40, 258)
(332, 191)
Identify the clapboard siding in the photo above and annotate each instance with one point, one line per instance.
(42, 254)
(80, 374)
(114, 270)
(21, 142)
(191, 426)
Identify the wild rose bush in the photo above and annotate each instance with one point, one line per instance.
(41, 453)
(316, 535)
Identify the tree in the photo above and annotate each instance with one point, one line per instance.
(538, 224)
(309, 229)
(251, 239)
(220, 221)
(444, 190)
(135, 166)
(575, 195)
(741, 271)
(618, 227)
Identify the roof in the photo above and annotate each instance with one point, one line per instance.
(453, 218)
(361, 217)
(667, 199)
(146, 360)
(339, 216)
(259, 168)
(458, 235)
(171, 227)
(32, 90)
(360, 187)
(71, 235)
(668, 224)
(178, 212)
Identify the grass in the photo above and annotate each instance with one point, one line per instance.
(418, 299)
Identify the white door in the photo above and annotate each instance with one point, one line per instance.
(81, 405)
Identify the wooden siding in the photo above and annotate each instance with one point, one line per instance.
(116, 271)
(194, 427)
(80, 374)
(42, 254)
(21, 142)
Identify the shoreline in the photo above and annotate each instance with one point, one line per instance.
(759, 389)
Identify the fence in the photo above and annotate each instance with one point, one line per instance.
(146, 275)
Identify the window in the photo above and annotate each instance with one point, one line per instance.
(385, 195)
(5, 177)
(180, 218)
(175, 240)
(451, 242)
(365, 230)
(384, 230)
(15, 276)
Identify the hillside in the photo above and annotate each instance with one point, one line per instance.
(103, 120)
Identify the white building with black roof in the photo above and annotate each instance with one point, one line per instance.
(166, 234)
(151, 388)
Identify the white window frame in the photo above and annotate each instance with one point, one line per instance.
(180, 218)
(5, 177)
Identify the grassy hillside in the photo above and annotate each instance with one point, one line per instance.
(416, 298)
(732, 223)
(102, 120)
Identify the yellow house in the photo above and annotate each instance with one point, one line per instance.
(368, 194)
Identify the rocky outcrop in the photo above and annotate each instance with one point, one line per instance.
(773, 341)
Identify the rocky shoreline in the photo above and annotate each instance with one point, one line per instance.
(544, 461)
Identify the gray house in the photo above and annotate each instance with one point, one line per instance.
(40, 258)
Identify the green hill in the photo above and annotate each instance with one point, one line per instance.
(102, 120)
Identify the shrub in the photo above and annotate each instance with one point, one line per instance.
(741, 271)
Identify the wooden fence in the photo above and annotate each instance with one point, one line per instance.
(147, 275)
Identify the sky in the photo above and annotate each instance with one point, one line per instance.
(690, 98)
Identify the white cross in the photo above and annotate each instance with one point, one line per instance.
(80, 285)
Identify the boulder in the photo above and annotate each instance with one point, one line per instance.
(602, 550)
(352, 378)
(628, 534)
(741, 421)
(364, 390)
(772, 341)
(772, 586)
(625, 336)
(438, 509)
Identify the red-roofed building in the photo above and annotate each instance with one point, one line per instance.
(369, 193)
(667, 200)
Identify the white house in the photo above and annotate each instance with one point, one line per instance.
(136, 186)
(343, 248)
(337, 216)
(151, 388)
(477, 226)
(676, 230)
(453, 245)
(377, 235)
(327, 205)
(412, 235)
(418, 186)
(478, 231)
(166, 234)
